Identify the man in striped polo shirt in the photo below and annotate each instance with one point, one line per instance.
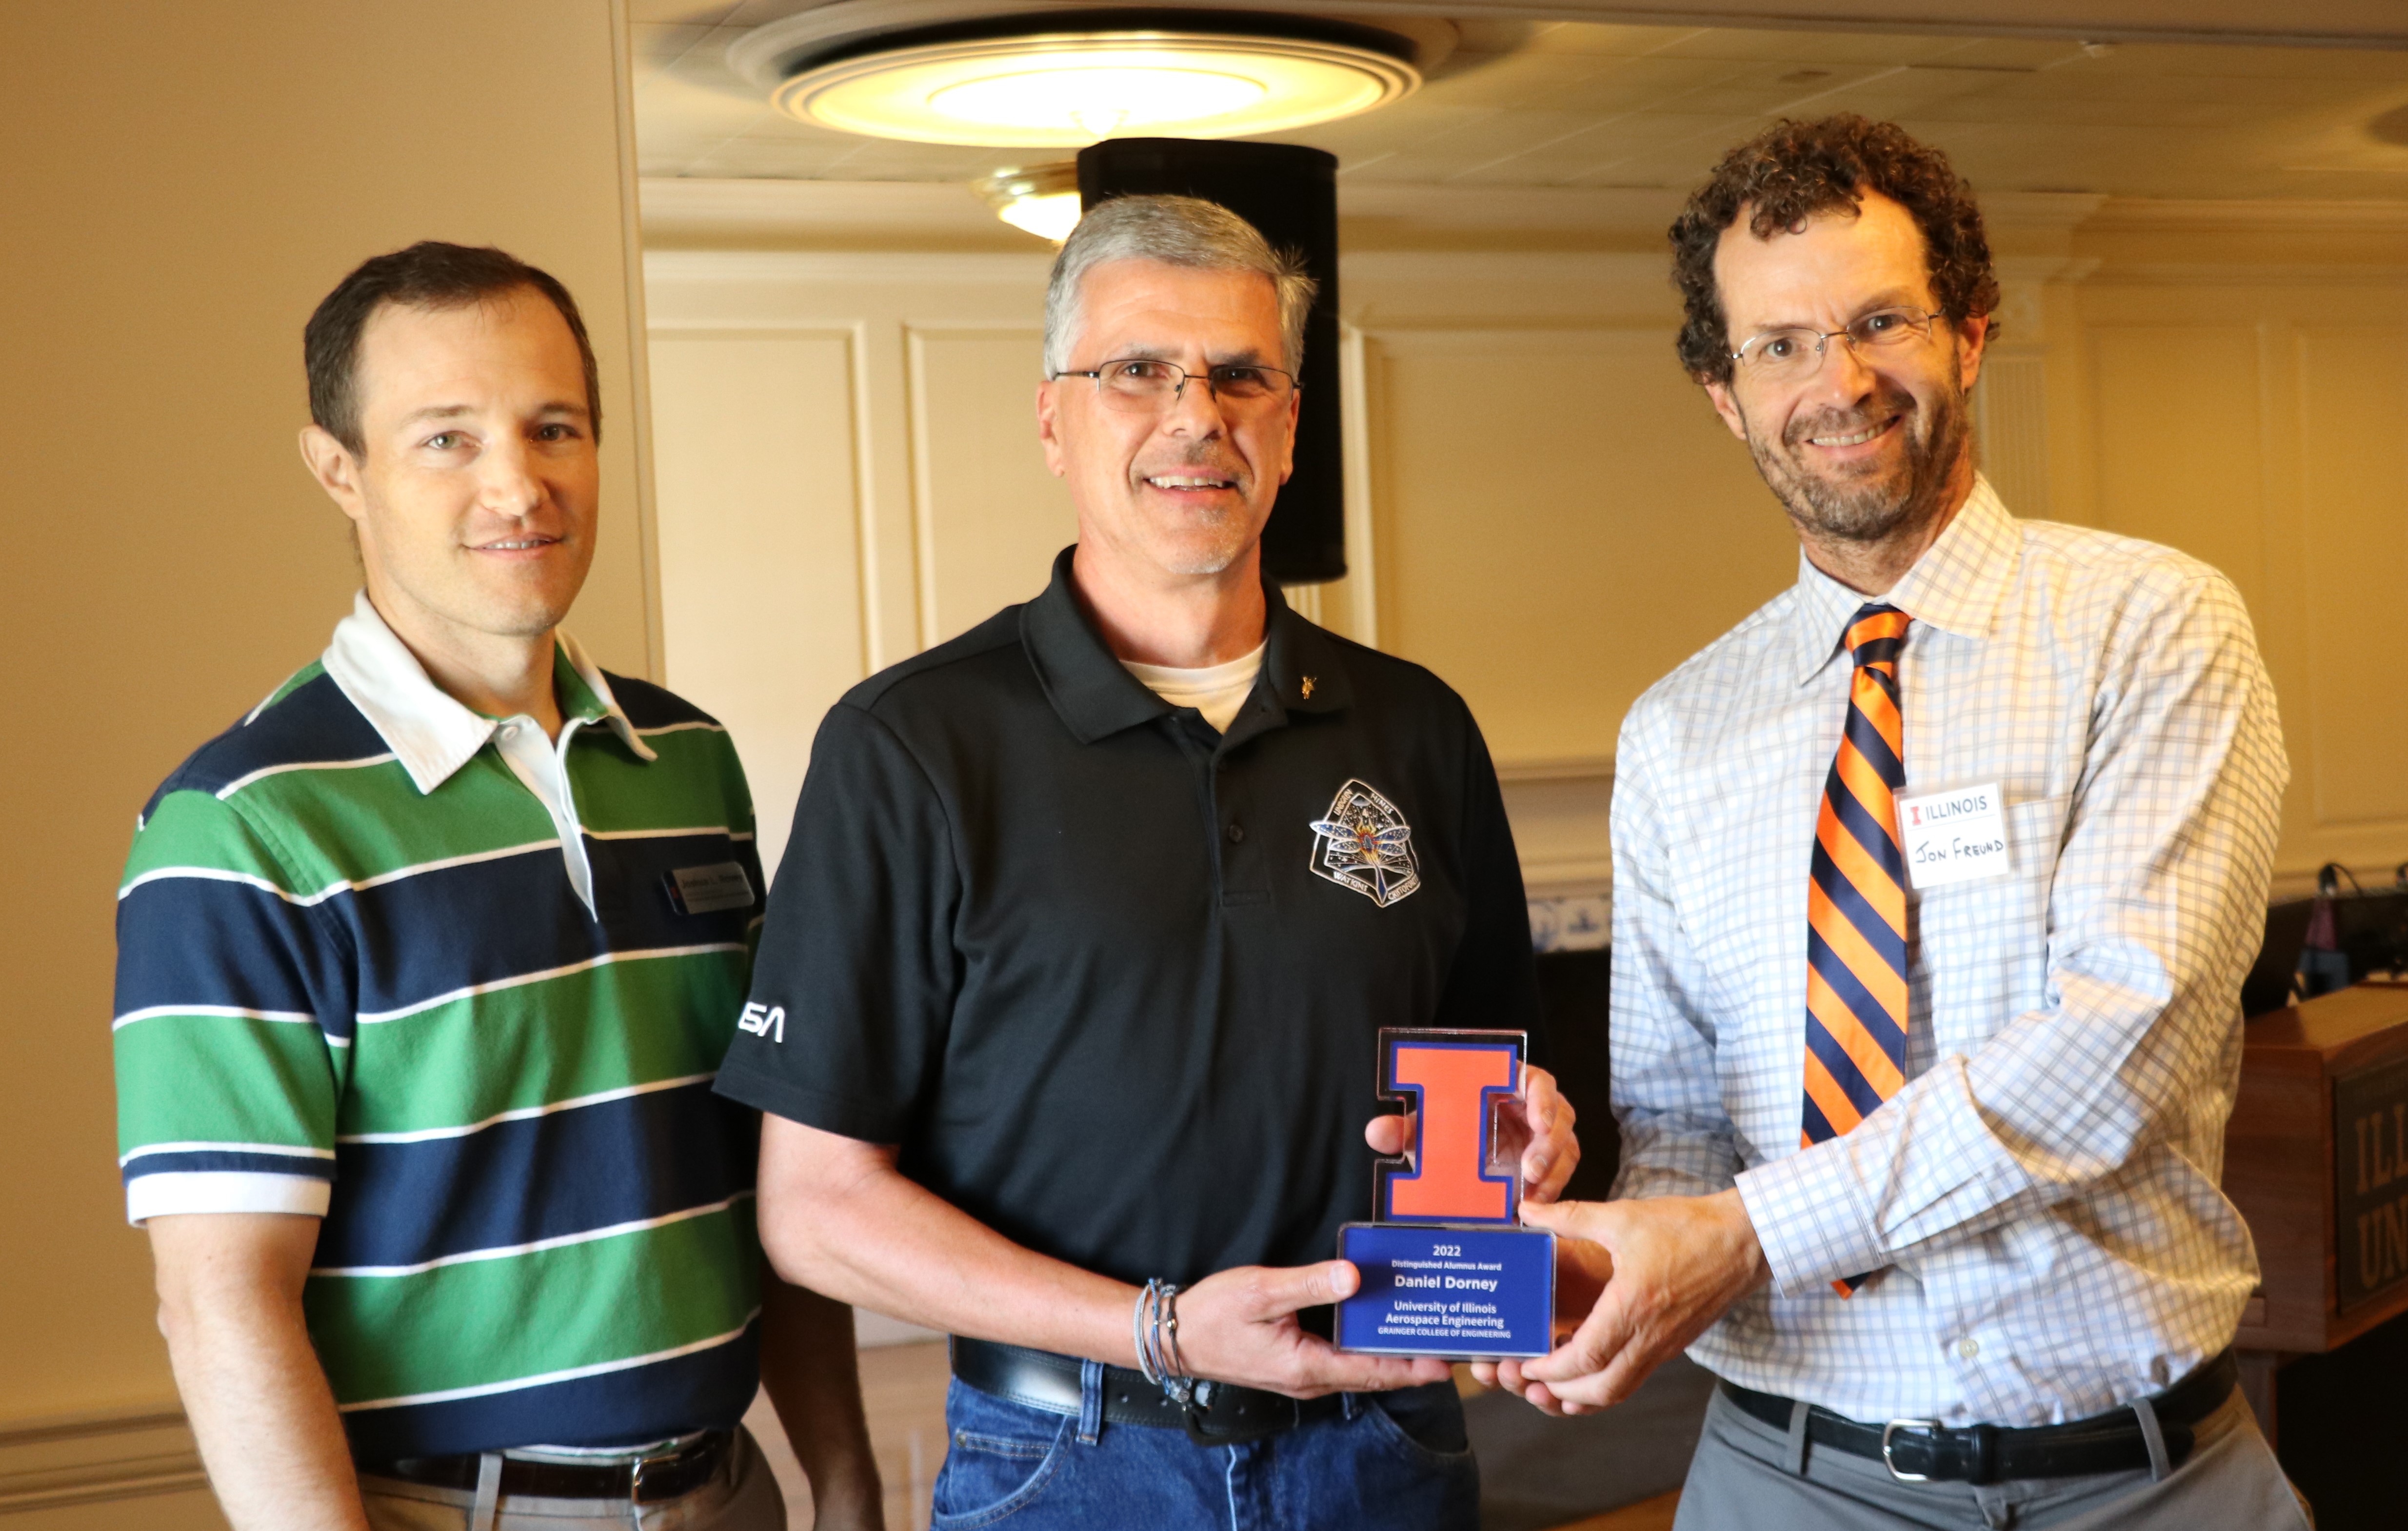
(424, 971)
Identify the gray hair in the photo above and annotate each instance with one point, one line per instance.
(1182, 230)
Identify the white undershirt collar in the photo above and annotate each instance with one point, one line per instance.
(1216, 691)
(432, 734)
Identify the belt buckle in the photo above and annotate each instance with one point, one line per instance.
(636, 1473)
(1892, 1428)
(1198, 1419)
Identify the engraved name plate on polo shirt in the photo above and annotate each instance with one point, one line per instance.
(1448, 1270)
(709, 890)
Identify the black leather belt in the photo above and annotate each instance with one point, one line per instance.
(1916, 1451)
(1224, 1414)
(643, 1482)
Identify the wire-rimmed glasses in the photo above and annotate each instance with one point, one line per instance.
(1791, 355)
(1142, 385)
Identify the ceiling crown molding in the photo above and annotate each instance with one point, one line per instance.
(2153, 214)
(692, 212)
(2039, 210)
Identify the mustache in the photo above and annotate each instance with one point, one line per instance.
(1880, 409)
(1218, 465)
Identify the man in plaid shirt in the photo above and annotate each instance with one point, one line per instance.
(1935, 881)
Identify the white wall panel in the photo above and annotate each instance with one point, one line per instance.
(1561, 519)
(753, 442)
(2011, 406)
(2238, 420)
(2179, 441)
(989, 517)
(2353, 401)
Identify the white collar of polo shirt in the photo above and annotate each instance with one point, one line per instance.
(1955, 586)
(432, 734)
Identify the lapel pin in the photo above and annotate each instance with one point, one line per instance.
(1307, 688)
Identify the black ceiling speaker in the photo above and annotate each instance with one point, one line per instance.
(1289, 193)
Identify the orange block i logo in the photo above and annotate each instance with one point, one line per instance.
(1458, 1085)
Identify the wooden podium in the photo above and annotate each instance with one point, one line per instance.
(2316, 1159)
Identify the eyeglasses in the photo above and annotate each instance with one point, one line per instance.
(1793, 355)
(1140, 386)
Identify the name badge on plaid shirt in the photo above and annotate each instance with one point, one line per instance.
(1954, 837)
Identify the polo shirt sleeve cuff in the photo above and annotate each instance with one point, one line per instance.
(223, 1191)
(1811, 1219)
(863, 1120)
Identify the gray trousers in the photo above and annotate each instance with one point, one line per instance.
(745, 1497)
(1748, 1475)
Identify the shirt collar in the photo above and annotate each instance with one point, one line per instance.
(428, 730)
(1955, 586)
(1096, 697)
(1303, 664)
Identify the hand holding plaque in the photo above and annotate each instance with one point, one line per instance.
(1448, 1270)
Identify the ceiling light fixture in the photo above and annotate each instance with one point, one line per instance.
(1069, 89)
(1042, 199)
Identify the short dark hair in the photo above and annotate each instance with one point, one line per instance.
(430, 274)
(1793, 170)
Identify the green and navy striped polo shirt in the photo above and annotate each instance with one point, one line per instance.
(366, 972)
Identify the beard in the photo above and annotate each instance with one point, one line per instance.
(1208, 539)
(1869, 503)
(1208, 551)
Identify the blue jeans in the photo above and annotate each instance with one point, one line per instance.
(1390, 1462)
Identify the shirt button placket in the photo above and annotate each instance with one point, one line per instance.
(1242, 882)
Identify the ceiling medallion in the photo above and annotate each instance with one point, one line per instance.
(1064, 90)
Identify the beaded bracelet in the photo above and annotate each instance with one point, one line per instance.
(1155, 1327)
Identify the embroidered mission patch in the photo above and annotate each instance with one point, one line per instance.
(1365, 844)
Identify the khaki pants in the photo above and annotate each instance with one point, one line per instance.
(1747, 1476)
(745, 1497)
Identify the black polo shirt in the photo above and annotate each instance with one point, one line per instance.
(1089, 963)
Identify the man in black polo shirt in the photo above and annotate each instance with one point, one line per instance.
(1074, 969)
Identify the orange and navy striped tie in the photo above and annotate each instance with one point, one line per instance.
(1856, 937)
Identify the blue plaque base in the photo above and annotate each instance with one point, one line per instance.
(1457, 1293)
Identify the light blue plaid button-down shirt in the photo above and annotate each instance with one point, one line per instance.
(2040, 1201)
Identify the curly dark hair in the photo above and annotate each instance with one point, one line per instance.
(1793, 170)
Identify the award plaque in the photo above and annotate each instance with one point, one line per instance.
(1448, 1269)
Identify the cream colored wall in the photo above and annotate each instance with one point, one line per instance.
(184, 183)
(1534, 473)
(2264, 426)
(1549, 516)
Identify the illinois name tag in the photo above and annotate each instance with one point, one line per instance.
(709, 890)
(1954, 837)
